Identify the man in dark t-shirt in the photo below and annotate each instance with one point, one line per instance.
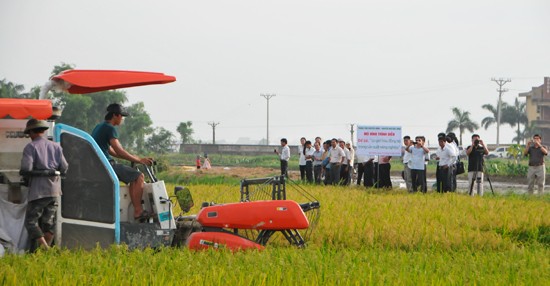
(106, 136)
(475, 153)
(537, 170)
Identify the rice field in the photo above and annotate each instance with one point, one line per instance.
(364, 237)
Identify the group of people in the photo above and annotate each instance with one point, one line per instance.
(415, 156)
(204, 164)
(332, 163)
(329, 162)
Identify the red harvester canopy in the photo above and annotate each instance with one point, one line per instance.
(88, 81)
(17, 108)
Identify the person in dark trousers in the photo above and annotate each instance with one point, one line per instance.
(451, 138)
(308, 153)
(336, 159)
(302, 159)
(445, 158)
(382, 170)
(437, 170)
(368, 172)
(537, 170)
(475, 153)
(284, 156)
(317, 163)
(326, 162)
(42, 155)
(417, 164)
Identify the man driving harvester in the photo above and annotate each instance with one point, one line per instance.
(106, 136)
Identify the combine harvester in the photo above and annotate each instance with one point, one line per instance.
(95, 210)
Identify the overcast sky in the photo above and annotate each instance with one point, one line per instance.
(330, 63)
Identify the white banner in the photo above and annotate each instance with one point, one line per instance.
(378, 140)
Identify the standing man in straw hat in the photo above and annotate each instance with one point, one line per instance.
(106, 136)
(42, 163)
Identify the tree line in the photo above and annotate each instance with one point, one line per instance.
(513, 115)
(85, 111)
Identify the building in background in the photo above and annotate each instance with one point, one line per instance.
(538, 108)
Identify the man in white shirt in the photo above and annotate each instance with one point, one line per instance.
(285, 156)
(336, 159)
(451, 138)
(351, 164)
(345, 168)
(317, 163)
(418, 168)
(406, 158)
(446, 156)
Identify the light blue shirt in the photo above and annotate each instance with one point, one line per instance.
(418, 156)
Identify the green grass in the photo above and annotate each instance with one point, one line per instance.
(364, 237)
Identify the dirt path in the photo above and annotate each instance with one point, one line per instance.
(238, 172)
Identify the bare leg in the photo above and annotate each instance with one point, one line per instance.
(42, 243)
(136, 193)
(48, 236)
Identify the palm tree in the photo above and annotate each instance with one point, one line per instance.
(517, 116)
(461, 121)
(490, 120)
(505, 117)
(527, 132)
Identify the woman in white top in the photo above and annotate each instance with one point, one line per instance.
(302, 160)
(308, 153)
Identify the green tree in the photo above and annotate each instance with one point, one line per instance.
(516, 116)
(160, 142)
(185, 130)
(504, 118)
(34, 93)
(461, 121)
(9, 89)
(86, 110)
(528, 131)
(135, 128)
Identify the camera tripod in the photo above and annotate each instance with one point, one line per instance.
(477, 180)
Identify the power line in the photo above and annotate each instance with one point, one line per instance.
(396, 93)
(268, 97)
(213, 124)
(501, 82)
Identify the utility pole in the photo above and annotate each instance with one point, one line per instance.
(267, 96)
(351, 131)
(501, 82)
(213, 124)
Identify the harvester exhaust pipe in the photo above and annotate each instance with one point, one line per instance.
(57, 85)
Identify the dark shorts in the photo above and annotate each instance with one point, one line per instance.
(125, 173)
(40, 217)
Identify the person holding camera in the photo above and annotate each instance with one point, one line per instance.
(417, 165)
(475, 153)
(537, 171)
(406, 156)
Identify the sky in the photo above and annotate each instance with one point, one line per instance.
(329, 63)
